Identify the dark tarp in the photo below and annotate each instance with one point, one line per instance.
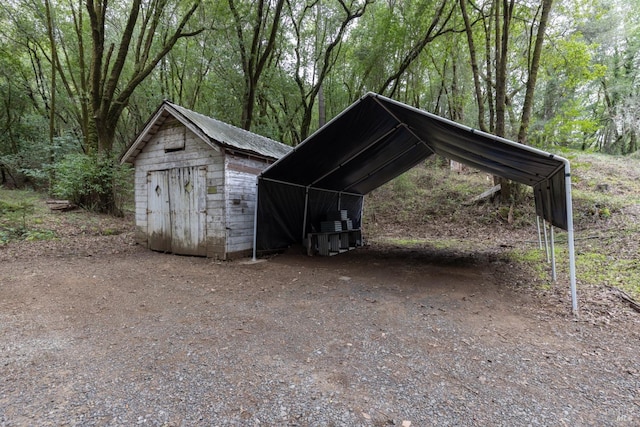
(375, 140)
(281, 210)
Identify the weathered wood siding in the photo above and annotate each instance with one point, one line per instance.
(174, 147)
(240, 177)
(158, 211)
(228, 192)
(188, 191)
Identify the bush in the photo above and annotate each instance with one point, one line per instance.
(91, 181)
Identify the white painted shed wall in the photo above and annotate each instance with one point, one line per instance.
(153, 157)
(230, 182)
(240, 176)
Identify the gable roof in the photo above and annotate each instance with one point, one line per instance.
(213, 132)
(376, 139)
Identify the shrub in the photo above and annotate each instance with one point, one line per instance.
(90, 181)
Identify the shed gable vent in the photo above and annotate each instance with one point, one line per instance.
(174, 138)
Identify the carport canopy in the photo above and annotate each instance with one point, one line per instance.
(377, 139)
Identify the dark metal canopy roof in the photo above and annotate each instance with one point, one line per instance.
(377, 139)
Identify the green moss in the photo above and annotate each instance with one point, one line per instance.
(535, 259)
(581, 165)
(406, 242)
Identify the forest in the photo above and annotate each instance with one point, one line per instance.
(79, 79)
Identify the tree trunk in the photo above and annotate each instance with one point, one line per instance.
(108, 86)
(436, 28)
(322, 116)
(533, 71)
(324, 57)
(52, 109)
(474, 66)
(260, 50)
(501, 83)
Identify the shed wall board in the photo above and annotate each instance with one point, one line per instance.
(196, 152)
(240, 194)
(229, 193)
(188, 221)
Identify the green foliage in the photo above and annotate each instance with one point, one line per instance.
(571, 126)
(572, 62)
(587, 93)
(91, 181)
(404, 186)
(18, 211)
(8, 234)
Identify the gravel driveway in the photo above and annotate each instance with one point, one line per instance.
(107, 333)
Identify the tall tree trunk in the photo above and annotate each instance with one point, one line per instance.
(322, 114)
(501, 82)
(52, 109)
(474, 66)
(109, 91)
(260, 50)
(501, 64)
(534, 65)
(324, 56)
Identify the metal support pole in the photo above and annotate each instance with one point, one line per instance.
(360, 225)
(570, 239)
(546, 239)
(304, 220)
(554, 276)
(539, 232)
(255, 224)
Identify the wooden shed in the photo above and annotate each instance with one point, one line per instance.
(195, 183)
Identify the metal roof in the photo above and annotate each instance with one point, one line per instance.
(376, 139)
(212, 131)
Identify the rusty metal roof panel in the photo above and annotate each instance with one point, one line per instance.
(231, 136)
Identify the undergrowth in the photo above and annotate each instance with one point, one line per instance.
(429, 205)
(21, 217)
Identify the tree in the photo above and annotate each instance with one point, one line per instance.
(437, 27)
(100, 64)
(318, 36)
(109, 87)
(475, 69)
(255, 40)
(533, 67)
(506, 73)
(620, 53)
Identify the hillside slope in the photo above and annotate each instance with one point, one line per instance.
(428, 207)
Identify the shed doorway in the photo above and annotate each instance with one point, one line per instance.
(176, 210)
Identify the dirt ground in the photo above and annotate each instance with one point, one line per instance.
(95, 330)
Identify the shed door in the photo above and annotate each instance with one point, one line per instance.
(158, 211)
(187, 197)
(177, 210)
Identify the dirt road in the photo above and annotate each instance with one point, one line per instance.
(102, 332)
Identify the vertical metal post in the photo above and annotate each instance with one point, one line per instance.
(570, 238)
(546, 239)
(304, 220)
(539, 232)
(361, 216)
(255, 223)
(554, 276)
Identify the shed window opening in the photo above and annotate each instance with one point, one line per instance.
(173, 149)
